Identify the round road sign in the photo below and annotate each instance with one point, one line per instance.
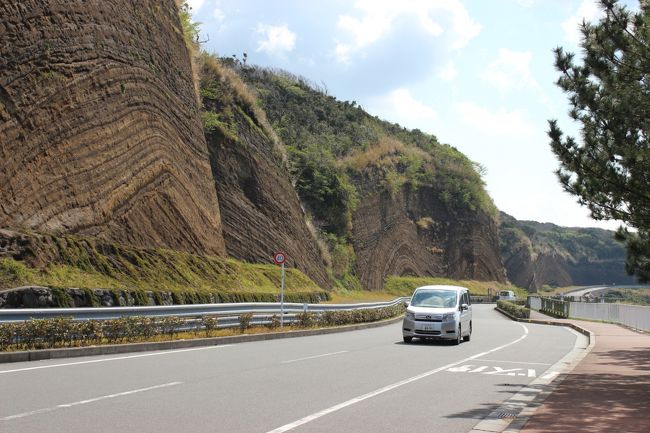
(280, 258)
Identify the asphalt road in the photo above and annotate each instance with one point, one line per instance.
(361, 381)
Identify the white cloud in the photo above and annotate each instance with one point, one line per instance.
(526, 3)
(588, 11)
(448, 72)
(511, 71)
(195, 5)
(377, 18)
(218, 14)
(401, 107)
(500, 122)
(275, 39)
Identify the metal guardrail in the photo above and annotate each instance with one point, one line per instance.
(227, 312)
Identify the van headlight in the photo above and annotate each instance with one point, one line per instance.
(410, 315)
(449, 317)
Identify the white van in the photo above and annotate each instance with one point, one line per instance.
(506, 295)
(440, 312)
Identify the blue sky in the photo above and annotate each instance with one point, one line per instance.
(478, 74)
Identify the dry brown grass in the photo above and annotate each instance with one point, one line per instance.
(384, 150)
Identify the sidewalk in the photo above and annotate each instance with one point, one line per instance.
(608, 391)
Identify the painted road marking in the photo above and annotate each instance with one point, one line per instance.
(387, 388)
(91, 400)
(516, 362)
(496, 371)
(313, 357)
(167, 352)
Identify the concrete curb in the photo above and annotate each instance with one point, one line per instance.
(73, 352)
(520, 407)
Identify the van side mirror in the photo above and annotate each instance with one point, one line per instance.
(464, 307)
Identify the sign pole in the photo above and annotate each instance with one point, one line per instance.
(282, 299)
(280, 258)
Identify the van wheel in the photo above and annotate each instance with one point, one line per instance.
(468, 336)
(408, 339)
(459, 338)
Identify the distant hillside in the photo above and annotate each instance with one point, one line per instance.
(389, 201)
(538, 254)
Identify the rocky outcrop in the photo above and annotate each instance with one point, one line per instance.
(542, 254)
(260, 210)
(100, 131)
(412, 235)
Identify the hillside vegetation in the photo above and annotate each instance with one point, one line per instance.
(69, 261)
(338, 155)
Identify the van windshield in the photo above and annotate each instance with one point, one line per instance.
(434, 298)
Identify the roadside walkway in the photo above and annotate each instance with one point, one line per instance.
(608, 391)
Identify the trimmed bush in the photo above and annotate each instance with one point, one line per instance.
(513, 309)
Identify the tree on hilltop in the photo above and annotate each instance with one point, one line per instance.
(609, 95)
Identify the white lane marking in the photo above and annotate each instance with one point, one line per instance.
(515, 362)
(387, 388)
(90, 400)
(167, 352)
(313, 357)
(498, 371)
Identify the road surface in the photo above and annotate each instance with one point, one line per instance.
(361, 381)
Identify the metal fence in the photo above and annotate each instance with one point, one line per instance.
(635, 316)
(260, 310)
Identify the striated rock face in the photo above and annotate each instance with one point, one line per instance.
(260, 209)
(100, 131)
(412, 235)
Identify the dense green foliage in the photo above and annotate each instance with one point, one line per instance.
(609, 169)
(338, 152)
(515, 310)
(573, 243)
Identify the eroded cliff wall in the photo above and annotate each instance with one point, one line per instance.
(410, 234)
(260, 209)
(100, 130)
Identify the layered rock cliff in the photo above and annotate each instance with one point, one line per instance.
(542, 254)
(407, 204)
(100, 130)
(260, 210)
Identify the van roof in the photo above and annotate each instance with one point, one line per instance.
(442, 287)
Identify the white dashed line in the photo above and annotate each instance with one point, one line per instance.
(91, 400)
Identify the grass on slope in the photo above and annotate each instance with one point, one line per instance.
(88, 263)
(403, 286)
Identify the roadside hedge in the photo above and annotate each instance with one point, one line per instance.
(65, 332)
(514, 309)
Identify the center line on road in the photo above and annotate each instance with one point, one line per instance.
(387, 388)
(515, 362)
(313, 357)
(91, 400)
(94, 361)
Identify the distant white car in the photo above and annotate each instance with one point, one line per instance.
(506, 295)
